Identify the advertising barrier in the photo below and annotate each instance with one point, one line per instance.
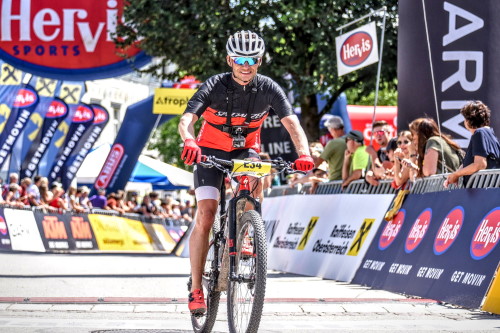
(321, 235)
(439, 249)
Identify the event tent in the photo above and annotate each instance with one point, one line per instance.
(160, 175)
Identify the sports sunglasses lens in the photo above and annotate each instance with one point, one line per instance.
(241, 61)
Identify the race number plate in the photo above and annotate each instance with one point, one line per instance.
(251, 168)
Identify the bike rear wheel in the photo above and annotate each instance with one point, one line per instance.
(204, 323)
(246, 295)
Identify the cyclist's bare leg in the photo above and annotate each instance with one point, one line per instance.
(198, 242)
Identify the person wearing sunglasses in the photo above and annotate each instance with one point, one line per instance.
(234, 106)
(405, 158)
(437, 153)
(381, 135)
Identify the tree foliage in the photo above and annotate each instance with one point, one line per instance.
(299, 36)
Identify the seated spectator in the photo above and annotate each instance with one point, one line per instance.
(12, 196)
(356, 158)
(405, 158)
(437, 153)
(484, 149)
(73, 203)
(333, 153)
(99, 200)
(83, 198)
(387, 170)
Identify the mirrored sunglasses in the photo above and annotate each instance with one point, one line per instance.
(241, 60)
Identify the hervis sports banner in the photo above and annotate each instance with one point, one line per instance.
(81, 121)
(45, 89)
(356, 49)
(20, 111)
(65, 40)
(322, 235)
(441, 245)
(70, 92)
(84, 145)
(56, 112)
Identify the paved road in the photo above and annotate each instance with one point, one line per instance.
(56, 293)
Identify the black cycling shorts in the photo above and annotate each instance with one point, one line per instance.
(212, 176)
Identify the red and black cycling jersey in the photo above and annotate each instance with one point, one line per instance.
(210, 102)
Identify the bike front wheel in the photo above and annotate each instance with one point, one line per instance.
(247, 289)
(204, 323)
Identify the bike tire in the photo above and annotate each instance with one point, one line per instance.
(204, 323)
(245, 300)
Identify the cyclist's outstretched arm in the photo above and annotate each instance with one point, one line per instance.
(186, 126)
(297, 134)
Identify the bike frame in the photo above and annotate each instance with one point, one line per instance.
(243, 193)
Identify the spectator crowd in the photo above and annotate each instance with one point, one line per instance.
(418, 152)
(53, 198)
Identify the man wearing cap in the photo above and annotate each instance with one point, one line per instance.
(356, 158)
(334, 150)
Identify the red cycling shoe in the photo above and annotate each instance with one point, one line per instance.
(197, 304)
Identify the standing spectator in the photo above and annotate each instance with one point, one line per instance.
(356, 158)
(405, 158)
(99, 200)
(23, 191)
(84, 198)
(120, 200)
(334, 150)
(133, 202)
(484, 149)
(373, 177)
(13, 179)
(112, 203)
(381, 134)
(436, 153)
(146, 208)
(57, 200)
(12, 196)
(73, 203)
(34, 196)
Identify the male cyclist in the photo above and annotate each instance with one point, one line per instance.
(234, 106)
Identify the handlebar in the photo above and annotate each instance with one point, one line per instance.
(228, 166)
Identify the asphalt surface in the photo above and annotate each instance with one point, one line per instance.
(147, 293)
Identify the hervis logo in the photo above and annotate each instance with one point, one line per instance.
(57, 109)
(53, 228)
(391, 230)
(487, 235)
(418, 230)
(100, 114)
(360, 237)
(307, 233)
(83, 114)
(64, 39)
(449, 230)
(356, 48)
(3, 226)
(25, 98)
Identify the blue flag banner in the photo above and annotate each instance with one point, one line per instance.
(25, 102)
(32, 133)
(82, 120)
(139, 120)
(440, 249)
(84, 145)
(70, 93)
(56, 112)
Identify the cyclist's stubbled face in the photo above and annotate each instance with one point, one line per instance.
(243, 74)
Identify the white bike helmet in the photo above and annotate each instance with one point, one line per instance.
(245, 44)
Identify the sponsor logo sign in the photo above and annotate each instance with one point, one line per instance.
(449, 230)
(60, 39)
(357, 49)
(100, 114)
(360, 237)
(418, 230)
(57, 109)
(25, 98)
(171, 100)
(110, 165)
(487, 235)
(391, 230)
(3, 226)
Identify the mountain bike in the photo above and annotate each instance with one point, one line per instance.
(237, 255)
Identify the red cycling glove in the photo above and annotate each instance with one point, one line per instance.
(303, 163)
(191, 152)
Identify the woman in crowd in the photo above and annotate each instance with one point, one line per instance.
(12, 196)
(484, 149)
(405, 158)
(57, 200)
(437, 153)
(73, 203)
